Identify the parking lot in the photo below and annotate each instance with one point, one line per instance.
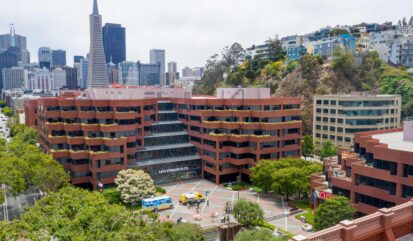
(218, 196)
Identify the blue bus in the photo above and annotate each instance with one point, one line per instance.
(157, 203)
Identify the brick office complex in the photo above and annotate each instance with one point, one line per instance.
(165, 131)
(378, 173)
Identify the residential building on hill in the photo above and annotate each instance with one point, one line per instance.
(165, 131)
(338, 117)
(377, 173)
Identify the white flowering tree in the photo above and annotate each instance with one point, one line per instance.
(134, 185)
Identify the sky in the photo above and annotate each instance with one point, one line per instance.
(189, 30)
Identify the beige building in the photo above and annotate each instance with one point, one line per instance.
(338, 117)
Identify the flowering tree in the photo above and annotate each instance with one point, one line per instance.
(134, 185)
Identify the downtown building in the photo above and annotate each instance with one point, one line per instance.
(167, 132)
(338, 117)
(114, 43)
(377, 173)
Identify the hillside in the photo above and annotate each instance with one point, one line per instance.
(309, 76)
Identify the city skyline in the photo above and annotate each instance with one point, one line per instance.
(186, 22)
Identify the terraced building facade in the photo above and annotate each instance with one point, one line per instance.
(165, 131)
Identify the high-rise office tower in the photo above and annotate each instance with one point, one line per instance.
(128, 73)
(149, 74)
(172, 74)
(83, 73)
(59, 58)
(114, 43)
(45, 57)
(7, 60)
(97, 73)
(158, 56)
(16, 44)
(77, 58)
(71, 78)
(59, 77)
(14, 78)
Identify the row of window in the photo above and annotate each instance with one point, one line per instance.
(99, 108)
(356, 103)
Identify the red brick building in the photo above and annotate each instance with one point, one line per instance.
(393, 224)
(167, 132)
(376, 173)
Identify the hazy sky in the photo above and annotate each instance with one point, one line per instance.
(190, 30)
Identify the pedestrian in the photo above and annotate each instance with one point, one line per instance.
(207, 202)
(188, 205)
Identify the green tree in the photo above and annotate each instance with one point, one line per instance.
(7, 111)
(76, 214)
(256, 234)
(328, 149)
(287, 181)
(398, 81)
(308, 146)
(2, 103)
(24, 164)
(134, 185)
(332, 211)
(186, 232)
(261, 175)
(247, 213)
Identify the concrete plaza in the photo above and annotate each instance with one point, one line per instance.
(274, 207)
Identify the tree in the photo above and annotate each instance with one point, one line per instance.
(256, 234)
(186, 232)
(328, 149)
(7, 111)
(344, 63)
(134, 185)
(2, 103)
(23, 164)
(77, 214)
(287, 181)
(247, 213)
(308, 146)
(398, 81)
(332, 211)
(261, 175)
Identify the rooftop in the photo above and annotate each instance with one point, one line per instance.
(395, 141)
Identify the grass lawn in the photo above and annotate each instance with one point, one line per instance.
(309, 214)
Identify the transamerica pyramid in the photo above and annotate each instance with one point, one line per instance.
(97, 72)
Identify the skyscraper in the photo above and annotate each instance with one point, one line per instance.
(7, 60)
(172, 74)
(77, 58)
(14, 78)
(71, 78)
(128, 73)
(45, 57)
(59, 58)
(149, 74)
(114, 43)
(97, 73)
(16, 44)
(158, 56)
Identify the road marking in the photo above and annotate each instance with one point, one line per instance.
(173, 212)
(233, 195)
(173, 187)
(193, 188)
(285, 212)
(209, 194)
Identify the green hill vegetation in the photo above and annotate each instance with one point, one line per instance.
(344, 73)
